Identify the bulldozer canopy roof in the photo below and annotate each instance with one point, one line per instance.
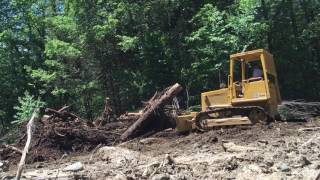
(249, 55)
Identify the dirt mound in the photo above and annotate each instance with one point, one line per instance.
(59, 133)
(299, 110)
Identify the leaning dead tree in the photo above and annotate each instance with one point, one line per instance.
(30, 128)
(154, 107)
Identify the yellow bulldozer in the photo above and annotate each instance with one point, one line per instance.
(252, 95)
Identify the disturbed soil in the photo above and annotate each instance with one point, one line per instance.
(281, 150)
(57, 137)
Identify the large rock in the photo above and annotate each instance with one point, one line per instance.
(78, 166)
(284, 168)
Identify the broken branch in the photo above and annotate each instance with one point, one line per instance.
(13, 148)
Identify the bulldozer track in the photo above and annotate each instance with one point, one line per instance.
(227, 112)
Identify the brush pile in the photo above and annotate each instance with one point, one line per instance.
(60, 132)
(299, 110)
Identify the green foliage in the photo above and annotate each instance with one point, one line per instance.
(28, 104)
(127, 43)
(108, 28)
(62, 49)
(219, 34)
(62, 27)
(79, 52)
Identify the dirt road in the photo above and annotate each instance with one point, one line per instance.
(276, 151)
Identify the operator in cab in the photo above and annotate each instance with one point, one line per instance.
(257, 72)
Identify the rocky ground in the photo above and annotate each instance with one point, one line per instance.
(282, 150)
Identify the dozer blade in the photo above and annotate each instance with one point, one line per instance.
(210, 123)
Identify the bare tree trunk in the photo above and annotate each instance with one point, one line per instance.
(30, 127)
(146, 117)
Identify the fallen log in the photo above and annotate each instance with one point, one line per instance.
(154, 107)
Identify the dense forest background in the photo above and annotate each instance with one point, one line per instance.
(77, 52)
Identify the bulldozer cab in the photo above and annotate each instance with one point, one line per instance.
(252, 95)
(253, 78)
(252, 82)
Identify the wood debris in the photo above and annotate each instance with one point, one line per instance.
(148, 121)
